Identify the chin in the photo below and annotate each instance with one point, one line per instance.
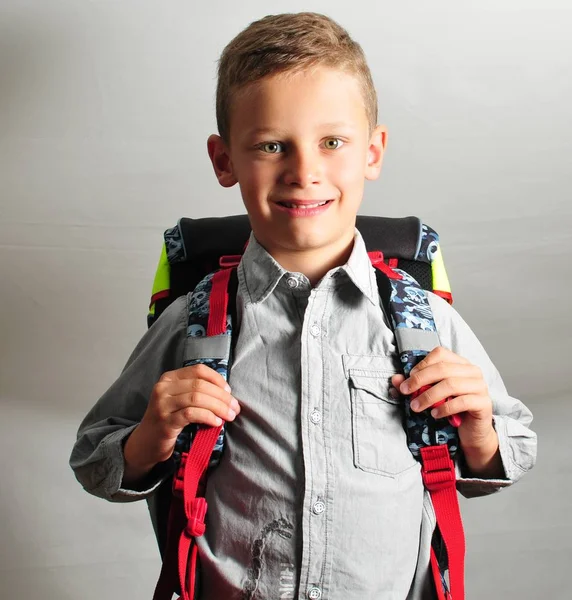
(309, 241)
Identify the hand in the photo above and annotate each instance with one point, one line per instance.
(454, 377)
(196, 394)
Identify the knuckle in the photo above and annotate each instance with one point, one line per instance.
(160, 387)
(197, 385)
(414, 379)
(194, 398)
(434, 395)
(462, 403)
(194, 371)
(159, 394)
(451, 386)
(200, 369)
(166, 377)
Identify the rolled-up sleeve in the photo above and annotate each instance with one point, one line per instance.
(511, 418)
(97, 457)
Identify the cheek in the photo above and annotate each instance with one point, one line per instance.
(348, 169)
(253, 176)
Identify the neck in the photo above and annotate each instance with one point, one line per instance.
(314, 263)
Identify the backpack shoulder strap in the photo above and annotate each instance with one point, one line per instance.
(209, 336)
(431, 441)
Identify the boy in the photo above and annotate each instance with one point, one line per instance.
(310, 500)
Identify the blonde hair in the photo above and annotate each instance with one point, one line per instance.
(288, 43)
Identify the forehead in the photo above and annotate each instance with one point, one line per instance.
(298, 101)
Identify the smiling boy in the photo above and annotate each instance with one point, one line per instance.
(309, 500)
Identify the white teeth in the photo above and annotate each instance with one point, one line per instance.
(304, 206)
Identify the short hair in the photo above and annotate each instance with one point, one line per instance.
(288, 43)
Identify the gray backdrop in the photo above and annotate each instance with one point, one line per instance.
(105, 107)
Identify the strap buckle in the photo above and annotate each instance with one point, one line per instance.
(377, 260)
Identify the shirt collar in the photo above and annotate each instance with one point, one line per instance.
(360, 270)
(262, 273)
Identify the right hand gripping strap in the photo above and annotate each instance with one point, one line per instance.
(197, 447)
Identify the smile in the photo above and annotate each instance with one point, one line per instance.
(304, 205)
(303, 208)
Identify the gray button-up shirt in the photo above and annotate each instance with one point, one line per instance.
(317, 494)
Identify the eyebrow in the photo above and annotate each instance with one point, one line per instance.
(278, 132)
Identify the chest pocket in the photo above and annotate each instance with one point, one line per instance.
(378, 434)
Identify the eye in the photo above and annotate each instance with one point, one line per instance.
(272, 147)
(333, 143)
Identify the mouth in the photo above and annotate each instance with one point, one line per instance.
(304, 204)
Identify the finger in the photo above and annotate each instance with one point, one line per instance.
(203, 402)
(199, 372)
(438, 355)
(437, 372)
(185, 387)
(468, 403)
(220, 407)
(171, 396)
(201, 416)
(452, 386)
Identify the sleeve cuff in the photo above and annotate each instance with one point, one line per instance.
(517, 446)
(113, 466)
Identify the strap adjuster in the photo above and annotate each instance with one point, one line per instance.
(377, 260)
(195, 526)
(229, 260)
(438, 469)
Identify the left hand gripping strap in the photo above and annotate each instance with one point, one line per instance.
(431, 441)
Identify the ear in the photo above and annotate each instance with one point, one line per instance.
(375, 152)
(220, 158)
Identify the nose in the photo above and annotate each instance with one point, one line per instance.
(302, 167)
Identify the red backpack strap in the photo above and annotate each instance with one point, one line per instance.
(195, 507)
(188, 505)
(439, 477)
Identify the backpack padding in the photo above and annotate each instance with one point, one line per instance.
(420, 271)
(203, 238)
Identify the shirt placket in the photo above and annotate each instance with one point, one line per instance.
(316, 443)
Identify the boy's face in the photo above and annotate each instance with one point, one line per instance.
(300, 149)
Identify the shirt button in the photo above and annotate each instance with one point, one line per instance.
(292, 282)
(314, 593)
(315, 330)
(316, 417)
(319, 508)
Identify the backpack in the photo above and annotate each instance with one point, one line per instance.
(200, 256)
